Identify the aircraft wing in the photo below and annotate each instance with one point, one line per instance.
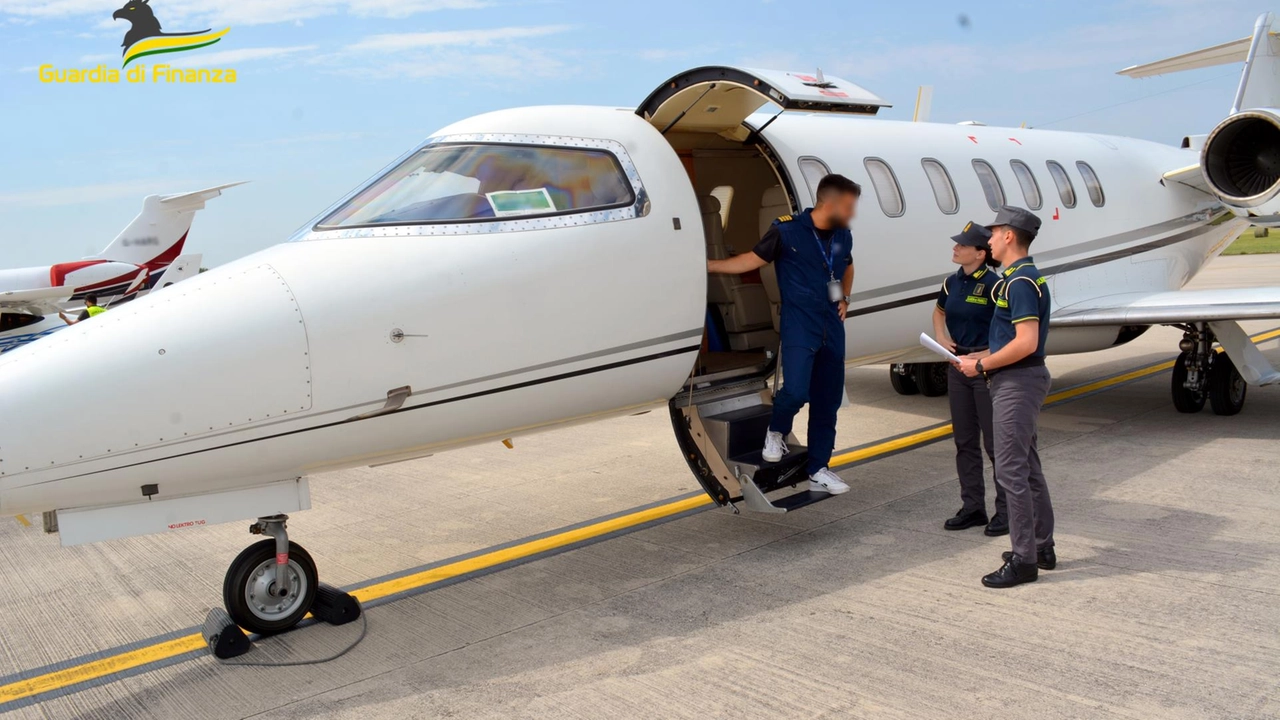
(1178, 306)
(41, 301)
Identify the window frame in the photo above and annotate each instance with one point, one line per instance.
(1014, 165)
(1086, 173)
(813, 187)
(1058, 180)
(1004, 196)
(639, 207)
(897, 187)
(951, 185)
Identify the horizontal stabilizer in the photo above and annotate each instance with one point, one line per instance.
(1231, 52)
(196, 200)
(1179, 306)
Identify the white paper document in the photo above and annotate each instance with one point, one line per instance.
(933, 345)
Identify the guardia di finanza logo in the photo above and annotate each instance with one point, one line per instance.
(145, 37)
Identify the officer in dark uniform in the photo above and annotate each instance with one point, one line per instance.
(961, 323)
(813, 252)
(1014, 365)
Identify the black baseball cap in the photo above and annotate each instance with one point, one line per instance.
(1016, 217)
(973, 235)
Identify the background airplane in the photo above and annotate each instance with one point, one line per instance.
(149, 248)
(539, 267)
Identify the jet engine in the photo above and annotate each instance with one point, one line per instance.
(1241, 164)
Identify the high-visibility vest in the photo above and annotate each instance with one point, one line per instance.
(95, 310)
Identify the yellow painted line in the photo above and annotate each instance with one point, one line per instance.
(99, 668)
(95, 669)
(523, 550)
(23, 521)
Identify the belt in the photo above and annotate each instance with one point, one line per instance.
(961, 350)
(1026, 362)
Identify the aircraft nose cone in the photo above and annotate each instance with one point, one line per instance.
(154, 377)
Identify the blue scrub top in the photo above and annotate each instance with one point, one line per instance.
(1021, 295)
(807, 259)
(966, 300)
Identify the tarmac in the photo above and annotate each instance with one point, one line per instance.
(579, 575)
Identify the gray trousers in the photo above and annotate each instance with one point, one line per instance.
(971, 427)
(1016, 397)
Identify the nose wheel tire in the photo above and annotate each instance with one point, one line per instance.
(250, 594)
(1226, 387)
(1185, 400)
(903, 382)
(931, 378)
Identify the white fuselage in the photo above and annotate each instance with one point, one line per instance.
(275, 366)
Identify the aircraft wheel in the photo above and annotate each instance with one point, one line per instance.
(250, 582)
(1185, 400)
(931, 378)
(1226, 387)
(903, 382)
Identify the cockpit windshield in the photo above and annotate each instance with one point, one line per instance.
(449, 183)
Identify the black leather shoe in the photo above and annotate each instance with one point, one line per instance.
(1046, 559)
(966, 519)
(1011, 573)
(998, 526)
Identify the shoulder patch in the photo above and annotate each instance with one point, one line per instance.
(784, 218)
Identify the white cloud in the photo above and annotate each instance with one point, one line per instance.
(396, 42)
(79, 195)
(217, 12)
(231, 57)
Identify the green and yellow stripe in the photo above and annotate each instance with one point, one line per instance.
(171, 43)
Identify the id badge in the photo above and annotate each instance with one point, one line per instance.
(835, 291)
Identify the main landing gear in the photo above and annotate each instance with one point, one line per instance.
(272, 584)
(1201, 374)
(928, 379)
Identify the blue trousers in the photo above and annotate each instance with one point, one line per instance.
(814, 376)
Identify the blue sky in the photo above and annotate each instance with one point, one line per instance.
(329, 91)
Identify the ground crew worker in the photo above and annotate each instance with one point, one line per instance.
(961, 322)
(91, 308)
(813, 252)
(1014, 364)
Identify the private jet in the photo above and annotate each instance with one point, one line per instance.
(146, 255)
(534, 268)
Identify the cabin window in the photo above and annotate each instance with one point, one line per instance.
(888, 192)
(813, 171)
(1091, 184)
(944, 191)
(1027, 181)
(1066, 190)
(724, 194)
(449, 183)
(991, 186)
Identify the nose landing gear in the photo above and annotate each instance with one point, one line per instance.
(1201, 374)
(271, 585)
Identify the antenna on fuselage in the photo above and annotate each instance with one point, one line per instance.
(684, 112)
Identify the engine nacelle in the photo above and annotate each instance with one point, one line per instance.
(1241, 164)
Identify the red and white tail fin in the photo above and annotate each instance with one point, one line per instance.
(157, 234)
(1259, 82)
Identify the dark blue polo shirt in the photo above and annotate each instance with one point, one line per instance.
(1021, 295)
(966, 300)
(801, 253)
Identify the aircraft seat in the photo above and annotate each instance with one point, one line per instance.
(773, 204)
(744, 306)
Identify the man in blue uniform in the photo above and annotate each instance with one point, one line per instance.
(1014, 365)
(813, 252)
(961, 322)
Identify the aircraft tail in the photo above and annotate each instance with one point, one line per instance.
(156, 236)
(1259, 82)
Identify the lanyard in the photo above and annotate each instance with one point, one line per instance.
(828, 256)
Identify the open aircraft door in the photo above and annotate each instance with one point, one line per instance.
(722, 414)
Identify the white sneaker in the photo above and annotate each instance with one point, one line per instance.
(774, 447)
(828, 482)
